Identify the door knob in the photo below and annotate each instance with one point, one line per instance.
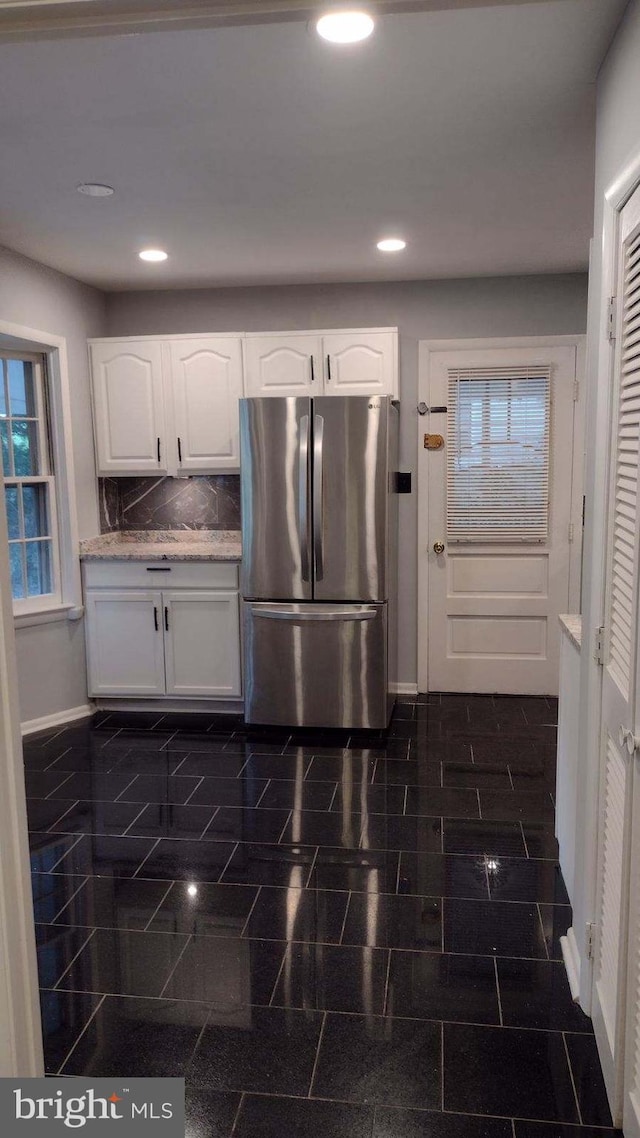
(438, 547)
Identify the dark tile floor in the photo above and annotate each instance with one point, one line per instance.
(353, 936)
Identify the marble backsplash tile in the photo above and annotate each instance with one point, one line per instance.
(208, 502)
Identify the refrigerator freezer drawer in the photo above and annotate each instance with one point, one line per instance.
(314, 665)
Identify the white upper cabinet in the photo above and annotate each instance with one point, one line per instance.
(283, 364)
(167, 406)
(207, 384)
(129, 407)
(360, 363)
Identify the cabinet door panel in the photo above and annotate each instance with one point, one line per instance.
(125, 648)
(202, 643)
(281, 365)
(207, 384)
(360, 363)
(129, 410)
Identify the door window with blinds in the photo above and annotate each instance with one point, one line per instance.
(498, 454)
(29, 484)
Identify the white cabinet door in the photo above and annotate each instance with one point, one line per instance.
(620, 707)
(202, 643)
(207, 384)
(360, 363)
(129, 407)
(283, 365)
(125, 642)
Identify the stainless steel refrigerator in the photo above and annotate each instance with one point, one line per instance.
(319, 560)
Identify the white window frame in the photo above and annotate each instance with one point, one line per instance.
(46, 477)
(22, 341)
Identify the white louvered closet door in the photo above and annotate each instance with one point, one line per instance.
(630, 366)
(620, 719)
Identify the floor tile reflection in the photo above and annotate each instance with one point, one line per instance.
(339, 933)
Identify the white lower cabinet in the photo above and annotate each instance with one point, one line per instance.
(126, 652)
(202, 650)
(183, 641)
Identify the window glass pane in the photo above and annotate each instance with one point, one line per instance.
(38, 567)
(498, 472)
(11, 494)
(25, 447)
(21, 388)
(6, 457)
(17, 578)
(34, 504)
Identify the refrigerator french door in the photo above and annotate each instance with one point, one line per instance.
(318, 570)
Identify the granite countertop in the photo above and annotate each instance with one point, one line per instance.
(163, 545)
(572, 625)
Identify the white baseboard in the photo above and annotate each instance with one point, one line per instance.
(571, 957)
(404, 689)
(165, 705)
(57, 719)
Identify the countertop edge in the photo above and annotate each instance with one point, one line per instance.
(571, 625)
(161, 546)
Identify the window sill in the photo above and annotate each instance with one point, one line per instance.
(53, 615)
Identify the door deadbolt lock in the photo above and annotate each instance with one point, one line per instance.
(438, 547)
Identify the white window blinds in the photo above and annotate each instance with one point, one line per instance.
(498, 428)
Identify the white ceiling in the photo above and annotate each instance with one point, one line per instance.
(260, 154)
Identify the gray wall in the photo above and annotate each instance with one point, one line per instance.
(499, 306)
(51, 663)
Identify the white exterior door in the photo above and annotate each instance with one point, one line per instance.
(202, 643)
(360, 363)
(207, 384)
(489, 611)
(283, 365)
(620, 718)
(124, 642)
(129, 407)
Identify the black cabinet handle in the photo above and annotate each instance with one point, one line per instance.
(158, 568)
(312, 370)
(328, 369)
(158, 442)
(166, 617)
(155, 616)
(179, 449)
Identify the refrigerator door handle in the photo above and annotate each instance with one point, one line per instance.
(330, 614)
(318, 502)
(303, 496)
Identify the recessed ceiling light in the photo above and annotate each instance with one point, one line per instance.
(153, 255)
(391, 245)
(95, 190)
(345, 27)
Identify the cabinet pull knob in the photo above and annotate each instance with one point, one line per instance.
(166, 617)
(312, 370)
(158, 441)
(179, 449)
(155, 616)
(328, 369)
